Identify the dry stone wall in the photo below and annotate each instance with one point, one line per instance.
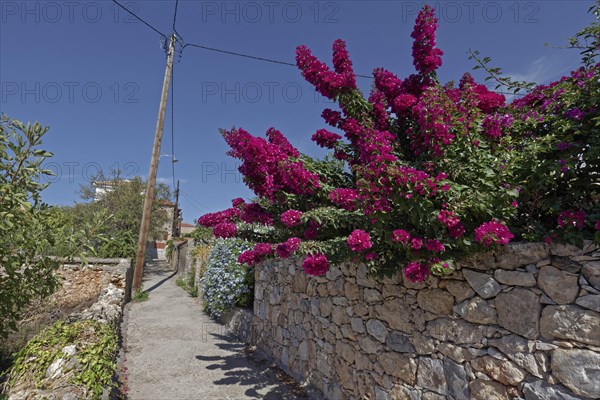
(523, 322)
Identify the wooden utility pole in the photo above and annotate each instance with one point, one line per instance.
(175, 227)
(145, 225)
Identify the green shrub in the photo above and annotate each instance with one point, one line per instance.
(226, 283)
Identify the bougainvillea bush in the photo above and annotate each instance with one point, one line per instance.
(226, 283)
(420, 173)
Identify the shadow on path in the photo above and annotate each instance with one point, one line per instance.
(174, 351)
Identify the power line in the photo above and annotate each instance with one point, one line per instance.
(191, 200)
(178, 36)
(140, 19)
(233, 53)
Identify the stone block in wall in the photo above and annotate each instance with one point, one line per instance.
(515, 278)
(571, 323)
(503, 371)
(461, 290)
(456, 379)
(591, 273)
(430, 375)
(560, 286)
(522, 303)
(436, 301)
(541, 390)
(484, 284)
(520, 351)
(456, 331)
(515, 255)
(477, 310)
(487, 389)
(579, 370)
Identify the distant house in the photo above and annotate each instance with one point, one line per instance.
(187, 229)
(103, 187)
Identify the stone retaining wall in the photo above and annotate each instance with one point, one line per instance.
(521, 323)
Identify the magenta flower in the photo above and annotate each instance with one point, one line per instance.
(416, 272)
(493, 232)
(400, 236)
(416, 243)
(263, 249)
(571, 218)
(326, 139)
(225, 230)
(316, 264)
(359, 240)
(345, 198)
(248, 257)
(435, 246)
(291, 218)
(238, 202)
(287, 248)
(597, 226)
(426, 57)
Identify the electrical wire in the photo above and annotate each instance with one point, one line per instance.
(233, 53)
(140, 19)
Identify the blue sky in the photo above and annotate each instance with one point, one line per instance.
(94, 75)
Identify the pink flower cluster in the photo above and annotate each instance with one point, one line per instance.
(316, 264)
(326, 139)
(495, 124)
(291, 218)
(571, 218)
(400, 236)
(226, 216)
(327, 82)
(257, 254)
(254, 212)
(452, 223)
(225, 230)
(287, 248)
(426, 57)
(434, 117)
(345, 198)
(416, 271)
(359, 240)
(493, 232)
(267, 167)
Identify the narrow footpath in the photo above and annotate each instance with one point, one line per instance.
(172, 350)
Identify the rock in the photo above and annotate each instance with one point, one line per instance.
(564, 250)
(369, 346)
(457, 331)
(479, 261)
(431, 376)
(363, 278)
(377, 329)
(423, 344)
(399, 342)
(483, 284)
(351, 290)
(432, 396)
(540, 390)
(299, 282)
(566, 264)
(394, 312)
(458, 354)
(403, 393)
(70, 350)
(515, 278)
(517, 254)
(372, 295)
(488, 390)
(571, 323)
(591, 273)
(522, 303)
(579, 370)
(54, 371)
(399, 366)
(460, 290)
(561, 286)
(381, 394)
(476, 310)
(591, 301)
(456, 378)
(357, 325)
(504, 372)
(520, 352)
(435, 301)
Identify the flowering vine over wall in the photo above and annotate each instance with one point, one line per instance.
(420, 173)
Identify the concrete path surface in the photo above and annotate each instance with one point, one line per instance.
(172, 350)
